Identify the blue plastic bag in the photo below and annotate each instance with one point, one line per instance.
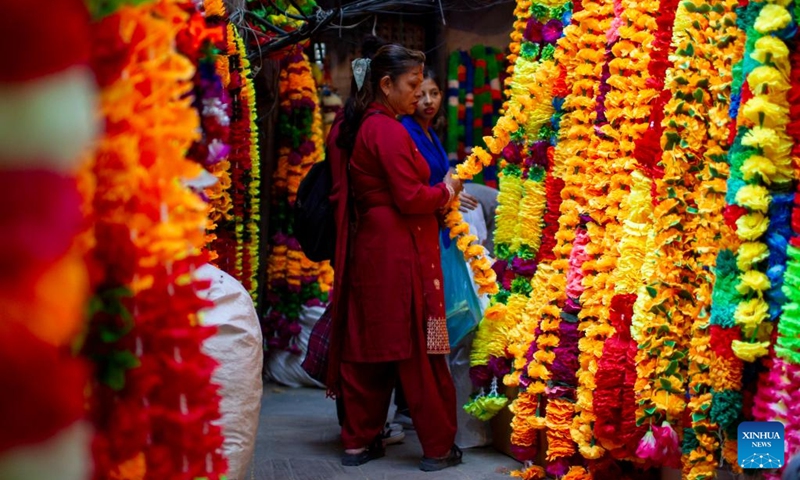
(460, 301)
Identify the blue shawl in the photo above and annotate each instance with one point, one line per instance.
(432, 150)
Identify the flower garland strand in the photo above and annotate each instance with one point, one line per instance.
(245, 164)
(778, 393)
(203, 40)
(574, 86)
(154, 420)
(669, 303)
(528, 166)
(526, 163)
(701, 437)
(293, 281)
(235, 200)
(620, 120)
(760, 169)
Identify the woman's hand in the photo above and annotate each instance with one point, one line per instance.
(468, 202)
(453, 183)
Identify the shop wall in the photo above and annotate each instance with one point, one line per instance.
(464, 29)
(490, 26)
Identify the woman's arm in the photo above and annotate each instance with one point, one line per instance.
(397, 154)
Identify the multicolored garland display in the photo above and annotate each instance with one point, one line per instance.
(630, 339)
(235, 216)
(293, 280)
(228, 148)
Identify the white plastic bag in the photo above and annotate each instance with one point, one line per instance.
(471, 431)
(238, 348)
(286, 368)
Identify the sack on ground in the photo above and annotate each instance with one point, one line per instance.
(284, 367)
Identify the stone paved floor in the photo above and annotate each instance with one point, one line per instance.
(298, 439)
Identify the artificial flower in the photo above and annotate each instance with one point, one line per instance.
(772, 17)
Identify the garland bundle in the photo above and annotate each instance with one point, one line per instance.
(154, 420)
(293, 280)
(778, 393)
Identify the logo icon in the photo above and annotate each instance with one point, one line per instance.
(761, 445)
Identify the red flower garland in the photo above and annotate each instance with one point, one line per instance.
(153, 402)
(553, 186)
(648, 147)
(616, 375)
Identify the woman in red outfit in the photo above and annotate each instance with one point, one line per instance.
(388, 312)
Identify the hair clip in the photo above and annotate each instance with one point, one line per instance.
(360, 67)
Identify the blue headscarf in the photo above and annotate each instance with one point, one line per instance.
(430, 148)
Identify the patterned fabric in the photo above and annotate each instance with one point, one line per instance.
(316, 362)
(438, 342)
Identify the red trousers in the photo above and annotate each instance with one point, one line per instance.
(428, 387)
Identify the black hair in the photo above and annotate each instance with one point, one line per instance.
(390, 60)
(429, 73)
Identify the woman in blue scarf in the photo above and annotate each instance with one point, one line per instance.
(461, 302)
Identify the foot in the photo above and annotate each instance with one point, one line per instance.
(360, 456)
(435, 464)
(404, 419)
(392, 434)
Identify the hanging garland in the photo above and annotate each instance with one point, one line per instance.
(701, 437)
(203, 40)
(778, 386)
(293, 280)
(676, 303)
(758, 212)
(644, 235)
(243, 261)
(527, 162)
(778, 396)
(155, 419)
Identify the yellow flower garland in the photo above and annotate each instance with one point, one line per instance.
(767, 115)
(668, 326)
(507, 213)
(248, 95)
(611, 154)
(521, 14)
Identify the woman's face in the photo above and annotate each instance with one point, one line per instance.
(431, 100)
(403, 94)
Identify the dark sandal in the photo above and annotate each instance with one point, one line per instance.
(436, 464)
(375, 450)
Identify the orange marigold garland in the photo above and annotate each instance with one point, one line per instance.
(701, 438)
(618, 231)
(153, 402)
(293, 280)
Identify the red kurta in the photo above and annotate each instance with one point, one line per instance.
(395, 277)
(391, 282)
(388, 286)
